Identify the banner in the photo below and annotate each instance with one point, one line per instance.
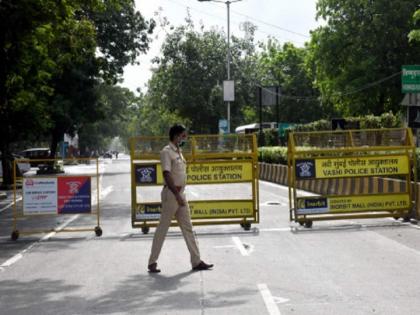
(342, 204)
(352, 167)
(61, 195)
(220, 172)
(197, 173)
(74, 194)
(221, 209)
(206, 209)
(39, 195)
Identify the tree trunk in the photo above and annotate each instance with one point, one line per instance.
(7, 166)
(56, 137)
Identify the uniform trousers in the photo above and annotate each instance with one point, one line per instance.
(170, 208)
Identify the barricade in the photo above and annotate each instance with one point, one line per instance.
(215, 165)
(48, 190)
(355, 168)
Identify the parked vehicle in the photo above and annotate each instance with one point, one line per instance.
(36, 154)
(107, 155)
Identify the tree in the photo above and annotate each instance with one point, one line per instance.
(50, 68)
(286, 66)
(117, 107)
(120, 34)
(25, 70)
(188, 77)
(359, 52)
(414, 35)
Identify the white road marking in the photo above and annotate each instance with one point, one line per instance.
(14, 259)
(286, 229)
(280, 300)
(224, 246)
(62, 226)
(19, 255)
(103, 193)
(240, 246)
(10, 204)
(269, 301)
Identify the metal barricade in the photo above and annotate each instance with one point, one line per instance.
(215, 165)
(49, 191)
(356, 159)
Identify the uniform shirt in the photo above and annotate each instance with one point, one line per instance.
(173, 161)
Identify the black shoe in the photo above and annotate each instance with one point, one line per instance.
(153, 268)
(203, 266)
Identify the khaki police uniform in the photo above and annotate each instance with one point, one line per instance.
(173, 161)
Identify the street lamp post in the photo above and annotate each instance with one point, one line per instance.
(228, 50)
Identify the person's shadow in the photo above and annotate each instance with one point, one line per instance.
(168, 283)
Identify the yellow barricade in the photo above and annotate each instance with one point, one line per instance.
(215, 164)
(335, 156)
(48, 190)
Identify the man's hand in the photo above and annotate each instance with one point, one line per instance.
(180, 200)
(170, 182)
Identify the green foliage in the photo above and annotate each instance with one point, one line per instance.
(271, 137)
(286, 66)
(275, 155)
(414, 35)
(386, 120)
(189, 75)
(117, 106)
(362, 43)
(53, 56)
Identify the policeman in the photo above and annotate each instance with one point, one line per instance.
(174, 202)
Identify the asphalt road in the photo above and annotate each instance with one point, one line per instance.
(278, 267)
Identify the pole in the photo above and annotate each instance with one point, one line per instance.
(261, 135)
(228, 61)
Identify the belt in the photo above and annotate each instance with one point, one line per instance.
(178, 188)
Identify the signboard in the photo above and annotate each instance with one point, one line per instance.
(223, 126)
(198, 173)
(316, 205)
(203, 209)
(39, 195)
(220, 172)
(411, 99)
(411, 79)
(74, 194)
(61, 195)
(148, 174)
(149, 211)
(228, 90)
(352, 167)
(221, 209)
(313, 205)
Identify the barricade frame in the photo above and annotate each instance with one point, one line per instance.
(350, 150)
(16, 233)
(194, 154)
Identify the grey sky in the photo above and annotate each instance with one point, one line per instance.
(281, 19)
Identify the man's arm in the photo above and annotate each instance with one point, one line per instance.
(170, 183)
